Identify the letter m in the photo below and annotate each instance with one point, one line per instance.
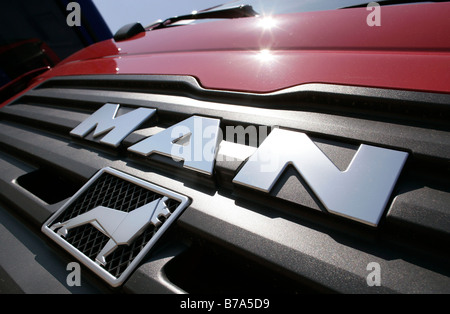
(104, 121)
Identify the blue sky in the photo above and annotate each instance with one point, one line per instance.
(120, 12)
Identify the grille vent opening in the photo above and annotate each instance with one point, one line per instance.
(212, 270)
(48, 185)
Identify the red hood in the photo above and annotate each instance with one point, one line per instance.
(410, 50)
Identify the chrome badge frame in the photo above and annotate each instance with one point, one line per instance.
(50, 226)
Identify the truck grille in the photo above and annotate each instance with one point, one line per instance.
(307, 245)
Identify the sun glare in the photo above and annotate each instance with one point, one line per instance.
(267, 22)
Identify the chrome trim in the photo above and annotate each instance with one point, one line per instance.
(104, 120)
(361, 192)
(200, 137)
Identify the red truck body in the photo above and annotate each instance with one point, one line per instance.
(410, 51)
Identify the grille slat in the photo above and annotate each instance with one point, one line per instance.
(429, 140)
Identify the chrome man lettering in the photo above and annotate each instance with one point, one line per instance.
(361, 192)
(104, 121)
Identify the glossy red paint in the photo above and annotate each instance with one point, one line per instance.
(410, 51)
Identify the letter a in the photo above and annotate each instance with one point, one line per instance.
(74, 278)
(74, 17)
(193, 140)
(374, 277)
(374, 18)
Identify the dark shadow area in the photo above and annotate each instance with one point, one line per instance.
(48, 185)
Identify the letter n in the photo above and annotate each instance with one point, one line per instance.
(361, 192)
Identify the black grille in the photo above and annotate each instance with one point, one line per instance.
(286, 231)
(112, 192)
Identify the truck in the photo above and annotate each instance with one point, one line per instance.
(256, 147)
